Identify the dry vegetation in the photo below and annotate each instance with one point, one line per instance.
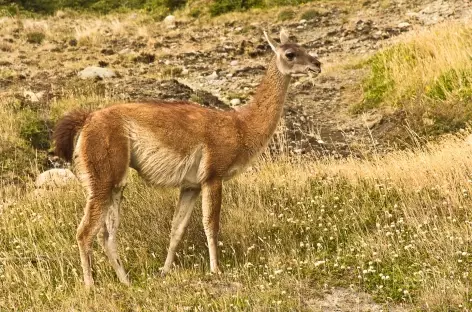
(427, 74)
(396, 226)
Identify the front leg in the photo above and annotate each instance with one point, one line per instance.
(211, 206)
(188, 197)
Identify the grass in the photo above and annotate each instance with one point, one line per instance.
(426, 74)
(392, 226)
(35, 37)
(397, 226)
(286, 14)
(159, 8)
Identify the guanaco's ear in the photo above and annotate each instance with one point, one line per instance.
(272, 43)
(284, 36)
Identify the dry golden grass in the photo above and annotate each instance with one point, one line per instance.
(396, 226)
(430, 53)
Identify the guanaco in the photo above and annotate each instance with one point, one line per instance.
(178, 144)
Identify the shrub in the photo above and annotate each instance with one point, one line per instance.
(310, 14)
(35, 37)
(36, 130)
(225, 6)
(286, 14)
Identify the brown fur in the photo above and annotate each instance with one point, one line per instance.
(66, 130)
(180, 144)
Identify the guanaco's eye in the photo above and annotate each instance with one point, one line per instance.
(290, 55)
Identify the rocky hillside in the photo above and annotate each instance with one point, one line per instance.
(53, 64)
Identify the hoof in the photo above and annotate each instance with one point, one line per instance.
(164, 273)
(216, 272)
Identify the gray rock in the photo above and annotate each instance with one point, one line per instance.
(235, 102)
(96, 72)
(32, 96)
(125, 51)
(169, 21)
(404, 25)
(55, 178)
(213, 76)
(413, 15)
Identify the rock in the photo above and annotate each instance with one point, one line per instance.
(32, 96)
(125, 51)
(61, 14)
(55, 178)
(404, 25)
(235, 102)
(96, 72)
(377, 35)
(213, 76)
(303, 21)
(234, 63)
(468, 139)
(372, 119)
(169, 21)
(184, 72)
(413, 15)
(428, 121)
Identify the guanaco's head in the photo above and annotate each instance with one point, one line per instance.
(292, 58)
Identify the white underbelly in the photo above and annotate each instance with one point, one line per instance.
(162, 166)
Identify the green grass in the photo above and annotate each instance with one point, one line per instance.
(380, 84)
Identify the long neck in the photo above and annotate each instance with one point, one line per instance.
(261, 116)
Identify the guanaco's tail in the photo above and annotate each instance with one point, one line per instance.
(66, 130)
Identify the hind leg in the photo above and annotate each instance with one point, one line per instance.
(88, 228)
(101, 161)
(109, 235)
